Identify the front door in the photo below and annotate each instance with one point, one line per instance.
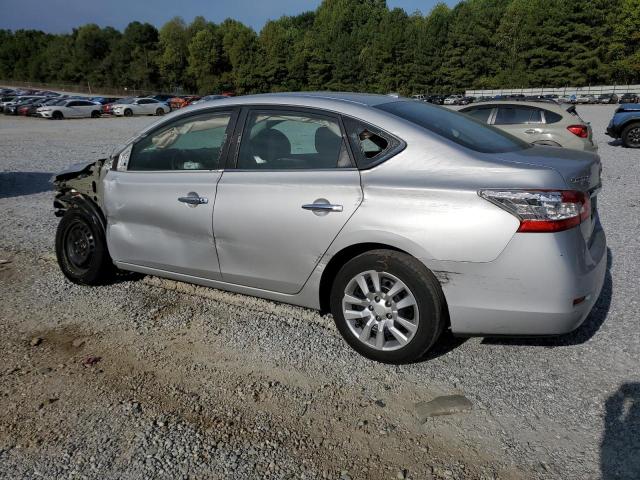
(521, 121)
(291, 190)
(159, 204)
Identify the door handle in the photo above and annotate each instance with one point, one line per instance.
(531, 131)
(322, 207)
(193, 199)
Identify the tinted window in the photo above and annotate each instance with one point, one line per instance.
(73, 104)
(508, 115)
(370, 144)
(552, 117)
(194, 143)
(281, 140)
(481, 114)
(145, 101)
(456, 127)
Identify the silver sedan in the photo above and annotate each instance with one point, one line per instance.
(400, 218)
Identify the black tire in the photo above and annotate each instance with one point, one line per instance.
(57, 115)
(159, 112)
(81, 249)
(128, 113)
(631, 135)
(95, 114)
(422, 284)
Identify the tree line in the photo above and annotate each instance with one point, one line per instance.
(353, 45)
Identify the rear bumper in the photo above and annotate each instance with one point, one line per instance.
(530, 288)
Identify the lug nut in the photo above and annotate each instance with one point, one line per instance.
(370, 307)
(389, 316)
(377, 299)
(378, 317)
(387, 303)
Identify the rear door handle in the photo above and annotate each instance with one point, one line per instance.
(193, 199)
(322, 207)
(531, 131)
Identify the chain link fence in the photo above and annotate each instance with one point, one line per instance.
(562, 91)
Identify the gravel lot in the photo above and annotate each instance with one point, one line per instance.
(152, 379)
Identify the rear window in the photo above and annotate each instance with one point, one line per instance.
(481, 114)
(509, 115)
(552, 117)
(454, 126)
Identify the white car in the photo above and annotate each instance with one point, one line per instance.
(453, 100)
(140, 106)
(70, 108)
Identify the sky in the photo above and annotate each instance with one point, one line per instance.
(60, 16)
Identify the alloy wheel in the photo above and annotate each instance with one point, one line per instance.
(380, 310)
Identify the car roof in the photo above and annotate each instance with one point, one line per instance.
(314, 98)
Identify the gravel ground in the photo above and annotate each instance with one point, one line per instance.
(156, 379)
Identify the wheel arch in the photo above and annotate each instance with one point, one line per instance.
(68, 201)
(348, 252)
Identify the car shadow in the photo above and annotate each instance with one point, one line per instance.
(615, 143)
(620, 445)
(582, 334)
(17, 184)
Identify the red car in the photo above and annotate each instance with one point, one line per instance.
(183, 101)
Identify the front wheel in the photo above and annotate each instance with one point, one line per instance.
(95, 114)
(159, 112)
(387, 306)
(128, 113)
(57, 115)
(631, 135)
(81, 249)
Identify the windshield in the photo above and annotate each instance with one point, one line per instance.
(454, 126)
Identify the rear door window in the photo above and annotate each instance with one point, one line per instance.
(370, 144)
(511, 115)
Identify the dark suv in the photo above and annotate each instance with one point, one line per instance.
(630, 98)
(625, 125)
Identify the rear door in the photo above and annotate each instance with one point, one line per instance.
(159, 199)
(522, 121)
(290, 189)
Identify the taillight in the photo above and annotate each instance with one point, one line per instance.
(579, 130)
(542, 210)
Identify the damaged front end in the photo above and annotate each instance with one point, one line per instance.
(80, 186)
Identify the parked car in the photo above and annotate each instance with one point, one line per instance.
(104, 100)
(364, 232)
(540, 123)
(585, 99)
(209, 98)
(161, 97)
(107, 108)
(33, 107)
(630, 98)
(70, 108)
(140, 106)
(6, 99)
(11, 108)
(453, 100)
(625, 125)
(607, 98)
(180, 102)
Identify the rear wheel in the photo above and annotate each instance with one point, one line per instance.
(81, 249)
(388, 306)
(631, 135)
(159, 112)
(57, 115)
(95, 114)
(128, 112)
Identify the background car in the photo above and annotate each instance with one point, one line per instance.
(607, 98)
(453, 100)
(11, 108)
(625, 125)
(182, 101)
(107, 108)
(538, 123)
(34, 106)
(70, 108)
(140, 106)
(629, 98)
(209, 98)
(585, 99)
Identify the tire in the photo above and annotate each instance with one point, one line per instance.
(159, 112)
(95, 114)
(128, 113)
(421, 292)
(631, 135)
(81, 249)
(57, 115)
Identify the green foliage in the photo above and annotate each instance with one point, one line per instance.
(348, 45)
